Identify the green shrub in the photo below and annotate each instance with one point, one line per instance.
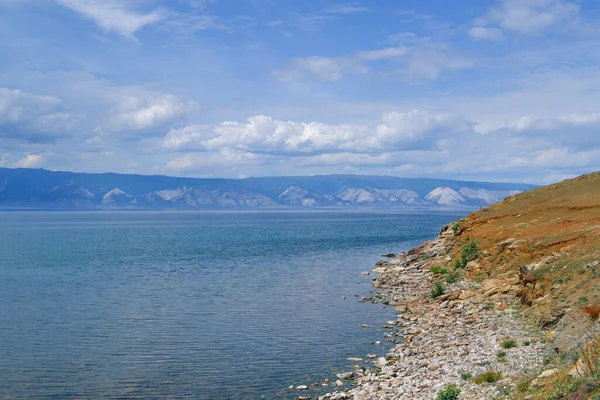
(456, 227)
(436, 269)
(450, 392)
(509, 344)
(470, 252)
(465, 376)
(452, 276)
(489, 377)
(527, 343)
(438, 289)
(523, 385)
(501, 356)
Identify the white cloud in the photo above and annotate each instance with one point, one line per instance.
(32, 117)
(225, 160)
(415, 129)
(113, 15)
(139, 110)
(527, 17)
(418, 59)
(31, 161)
(351, 8)
(17, 106)
(383, 54)
(323, 68)
(482, 33)
(417, 143)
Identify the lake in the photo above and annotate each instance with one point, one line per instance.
(203, 305)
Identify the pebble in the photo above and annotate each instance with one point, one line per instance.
(438, 339)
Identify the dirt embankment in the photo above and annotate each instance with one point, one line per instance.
(503, 304)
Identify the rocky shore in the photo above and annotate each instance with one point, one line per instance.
(473, 335)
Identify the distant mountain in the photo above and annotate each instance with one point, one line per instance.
(38, 188)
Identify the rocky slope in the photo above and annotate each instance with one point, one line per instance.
(503, 304)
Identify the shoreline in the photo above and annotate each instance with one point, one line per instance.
(450, 339)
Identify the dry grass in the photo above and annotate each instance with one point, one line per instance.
(556, 227)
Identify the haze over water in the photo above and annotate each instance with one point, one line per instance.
(215, 305)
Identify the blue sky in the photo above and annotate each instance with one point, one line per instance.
(501, 90)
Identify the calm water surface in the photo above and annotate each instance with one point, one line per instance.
(215, 305)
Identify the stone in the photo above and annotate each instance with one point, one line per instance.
(549, 373)
(365, 273)
(380, 362)
(467, 294)
(339, 383)
(345, 375)
(302, 387)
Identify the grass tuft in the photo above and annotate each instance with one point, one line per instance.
(488, 377)
(450, 392)
(438, 289)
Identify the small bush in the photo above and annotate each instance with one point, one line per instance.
(465, 376)
(488, 377)
(436, 269)
(593, 311)
(456, 227)
(509, 344)
(527, 343)
(452, 277)
(470, 252)
(523, 386)
(501, 356)
(450, 392)
(438, 289)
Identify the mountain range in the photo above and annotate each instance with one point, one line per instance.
(39, 188)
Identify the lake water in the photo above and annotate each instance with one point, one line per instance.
(215, 305)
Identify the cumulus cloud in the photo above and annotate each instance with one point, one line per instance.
(482, 33)
(526, 17)
(416, 142)
(31, 161)
(113, 15)
(141, 110)
(263, 134)
(32, 117)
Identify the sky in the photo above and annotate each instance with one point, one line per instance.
(496, 90)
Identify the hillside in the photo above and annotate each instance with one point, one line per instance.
(503, 304)
(38, 188)
(553, 231)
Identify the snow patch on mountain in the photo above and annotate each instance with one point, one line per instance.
(370, 196)
(83, 192)
(170, 194)
(445, 196)
(116, 197)
(298, 196)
